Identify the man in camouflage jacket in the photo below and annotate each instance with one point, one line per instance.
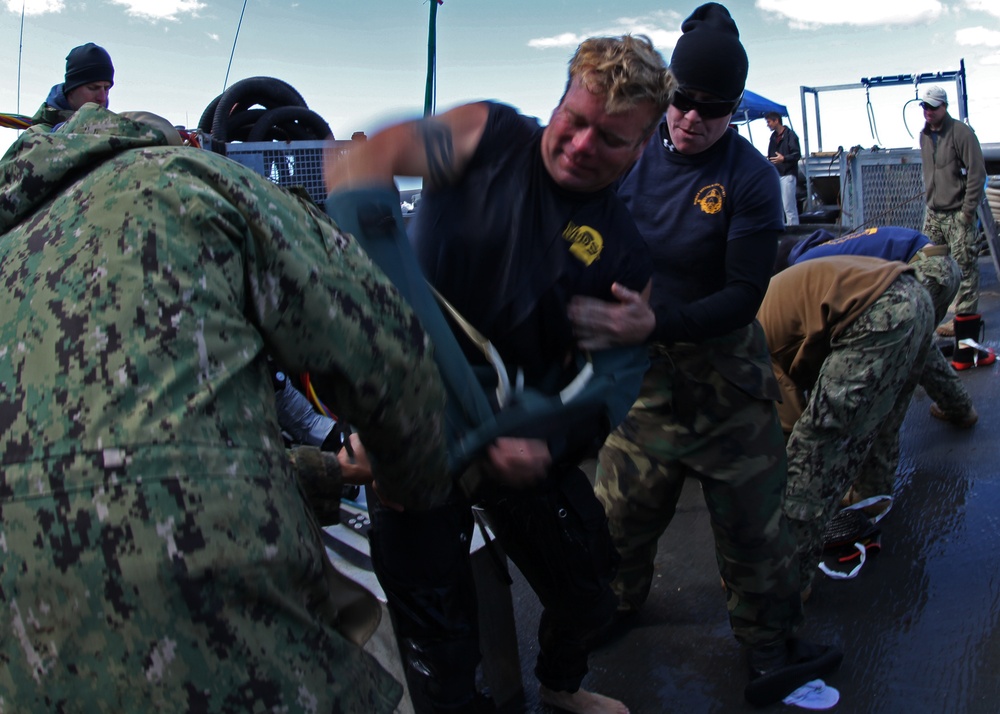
(157, 552)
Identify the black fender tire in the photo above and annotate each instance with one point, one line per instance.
(290, 124)
(240, 123)
(268, 92)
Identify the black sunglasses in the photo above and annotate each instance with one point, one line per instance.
(927, 107)
(706, 110)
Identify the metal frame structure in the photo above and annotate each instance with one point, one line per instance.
(867, 83)
(989, 224)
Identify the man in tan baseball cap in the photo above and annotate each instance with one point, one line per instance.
(954, 179)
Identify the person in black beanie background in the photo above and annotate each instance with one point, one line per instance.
(89, 78)
(709, 207)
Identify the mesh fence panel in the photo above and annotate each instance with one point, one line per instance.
(296, 163)
(883, 189)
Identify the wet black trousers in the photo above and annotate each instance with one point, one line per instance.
(556, 534)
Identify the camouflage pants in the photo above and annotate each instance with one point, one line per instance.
(849, 431)
(691, 421)
(939, 274)
(949, 228)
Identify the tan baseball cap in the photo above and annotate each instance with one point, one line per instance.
(935, 96)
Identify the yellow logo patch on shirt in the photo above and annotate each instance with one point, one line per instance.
(852, 236)
(586, 243)
(711, 198)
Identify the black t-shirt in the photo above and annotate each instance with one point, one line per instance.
(509, 248)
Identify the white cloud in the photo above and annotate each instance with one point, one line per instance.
(145, 9)
(566, 39)
(214, 36)
(34, 7)
(160, 9)
(663, 40)
(978, 36)
(990, 6)
(662, 27)
(810, 14)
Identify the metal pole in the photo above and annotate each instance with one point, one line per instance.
(225, 82)
(963, 93)
(805, 143)
(20, 49)
(431, 60)
(819, 125)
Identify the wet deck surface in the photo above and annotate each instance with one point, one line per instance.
(918, 626)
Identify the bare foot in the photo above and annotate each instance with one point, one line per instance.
(581, 701)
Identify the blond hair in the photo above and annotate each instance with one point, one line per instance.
(626, 70)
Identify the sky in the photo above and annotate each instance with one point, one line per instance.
(362, 65)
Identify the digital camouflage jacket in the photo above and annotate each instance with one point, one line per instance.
(156, 553)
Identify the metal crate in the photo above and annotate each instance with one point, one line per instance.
(882, 188)
(288, 164)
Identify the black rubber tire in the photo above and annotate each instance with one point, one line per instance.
(238, 125)
(268, 92)
(240, 122)
(290, 124)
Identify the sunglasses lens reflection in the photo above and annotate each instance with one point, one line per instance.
(707, 110)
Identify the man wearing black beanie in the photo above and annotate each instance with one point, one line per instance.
(89, 78)
(708, 56)
(709, 207)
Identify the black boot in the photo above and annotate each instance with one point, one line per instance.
(968, 352)
(779, 668)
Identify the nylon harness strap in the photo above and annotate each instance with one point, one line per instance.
(607, 383)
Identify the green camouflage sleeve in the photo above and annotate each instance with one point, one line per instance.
(324, 308)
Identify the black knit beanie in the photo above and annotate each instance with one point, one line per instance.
(708, 56)
(87, 63)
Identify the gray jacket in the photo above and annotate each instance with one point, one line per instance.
(954, 169)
